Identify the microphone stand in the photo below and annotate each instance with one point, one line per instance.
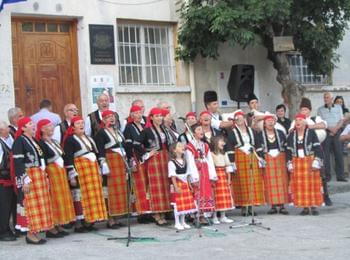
(129, 238)
(197, 224)
(253, 222)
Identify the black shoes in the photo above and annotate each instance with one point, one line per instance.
(328, 201)
(32, 242)
(342, 180)
(283, 211)
(272, 211)
(113, 226)
(7, 237)
(49, 234)
(305, 212)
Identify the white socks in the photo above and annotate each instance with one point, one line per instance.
(225, 219)
(180, 223)
(183, 222)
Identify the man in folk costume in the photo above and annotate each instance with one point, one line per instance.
(319, 125)
(275, 174)
(132, 131)
(254, 117)
(152, 145)
(93, 121)
(34, 212)
(70, 111)
(209, 131)
(110, 145)
(202, 170)
(245, 151)
(61, 197)
(14, 114)
(84, 176)
(7, 192)
(190, 120)
(212, 105)
(304, 157)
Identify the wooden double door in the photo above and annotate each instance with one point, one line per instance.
(45, 63)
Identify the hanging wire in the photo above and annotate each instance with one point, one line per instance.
(115, 2)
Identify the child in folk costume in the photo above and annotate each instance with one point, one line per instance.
(304, 157)
(152, 147)
(131, 133)
(275, 174)
(202, 170)
(190, 120)
(179, 173)
(61, 197)
(34, 209)
(110, 145)
(224, 168)
(244, 150)
(84, 176)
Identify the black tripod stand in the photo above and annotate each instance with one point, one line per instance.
(253, 221)
(129, 238)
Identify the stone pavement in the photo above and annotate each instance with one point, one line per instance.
(291, 237)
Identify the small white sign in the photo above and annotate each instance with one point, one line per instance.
(102, 84)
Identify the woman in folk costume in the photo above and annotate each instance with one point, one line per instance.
(168, 126)
(304, 157)
(61, 197)
(202, 170)
(34, 212)
(152, 147)
(132, 132)
(205, 121)
(183, 201)
(190, 120)
(244, 150)
(275, 174)
(84, 176)
(224, 169)
(110, 145)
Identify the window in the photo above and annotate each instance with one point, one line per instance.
(301, 73)
(42, 27)
(145, 55)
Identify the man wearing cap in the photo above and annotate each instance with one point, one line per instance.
(333, 115)
(212, 105)
(254, 117)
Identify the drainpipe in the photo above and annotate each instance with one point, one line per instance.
(193, 87)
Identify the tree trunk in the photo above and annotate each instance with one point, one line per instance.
(292, 91)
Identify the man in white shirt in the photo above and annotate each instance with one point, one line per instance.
(212, 105)
(46, 112)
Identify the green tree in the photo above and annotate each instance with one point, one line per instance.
(317, 27)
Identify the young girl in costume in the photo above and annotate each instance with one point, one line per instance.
(183, 200)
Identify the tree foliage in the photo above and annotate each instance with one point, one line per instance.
(317, 26)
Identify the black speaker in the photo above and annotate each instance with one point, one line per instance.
(241, 82)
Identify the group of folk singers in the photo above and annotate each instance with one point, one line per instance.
(214, 166)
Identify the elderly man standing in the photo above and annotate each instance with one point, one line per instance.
(70, 111)
(93, 121)
(14, 114)
(333, 115)
(7, 194)
(46, 112)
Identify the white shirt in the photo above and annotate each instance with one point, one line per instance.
(88, 123)
(9, 141)
(346, 130)
(215, 121)
(57, 133)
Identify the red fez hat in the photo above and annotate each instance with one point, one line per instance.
(205, 112)
(107, 113)
(135, 108)
(299, 115)
(191, 114)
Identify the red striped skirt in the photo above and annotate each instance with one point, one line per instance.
(204, 193)
(247, 190)
(93, 205)
(37, 203)
(223, 196)
(183, 201)
(116, 183)
(305, 183)
(158, 181)
(276, 180)
(61, 197)
(140, 187)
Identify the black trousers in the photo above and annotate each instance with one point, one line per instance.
(333, 145)
(7, 196)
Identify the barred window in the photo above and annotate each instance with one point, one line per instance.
(145, 55)
(301, 73)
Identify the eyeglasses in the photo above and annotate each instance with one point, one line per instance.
(73, 110)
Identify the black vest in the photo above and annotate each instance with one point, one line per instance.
(5, 163)
(180, 169)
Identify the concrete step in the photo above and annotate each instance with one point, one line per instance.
(338, 187)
